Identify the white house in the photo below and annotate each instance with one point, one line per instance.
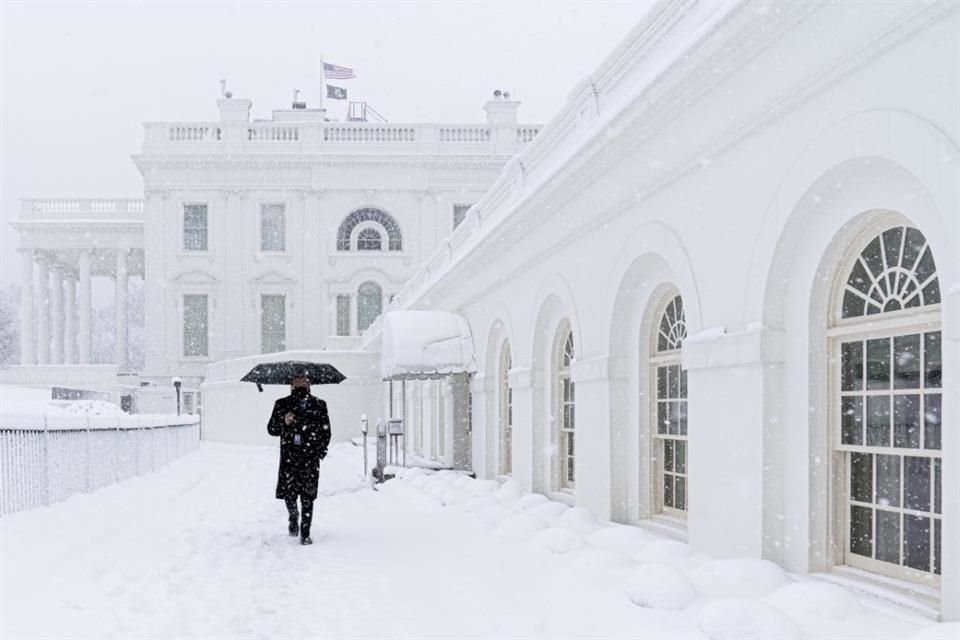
(718, 295)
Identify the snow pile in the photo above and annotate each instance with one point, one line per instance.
(745, 619)
(509, 492)
(628, 540)
(944, 631)
(558, 540)
(550, 511)
(738, 577)
(668, 551)
(604, 560)
(812, 599)
(580, 520)
(660, 586)
(520, 525)
(531, 500)
(91, 408)
(425, 343)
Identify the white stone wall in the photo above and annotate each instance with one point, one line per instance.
(740, 177)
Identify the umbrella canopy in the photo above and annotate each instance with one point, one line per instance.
(284, 373)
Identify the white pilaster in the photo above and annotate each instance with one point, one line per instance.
(312, 285)
(234, 243)
(84, 304)
(43, 313)
(155, 281)
(120, 281)
(56, 315)
(522, 383)
(27, 351)
(70, 319)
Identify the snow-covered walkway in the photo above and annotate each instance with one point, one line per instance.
(200, 550)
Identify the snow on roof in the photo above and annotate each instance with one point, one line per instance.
(425, 344)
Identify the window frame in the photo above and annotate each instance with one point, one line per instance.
(285, 308)
(183, 326)
(283, 227)
(564, 432)
(184, 249)
(505, 412)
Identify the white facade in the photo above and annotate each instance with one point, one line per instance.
(717, 156)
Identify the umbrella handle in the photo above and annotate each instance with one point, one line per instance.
(259, 387)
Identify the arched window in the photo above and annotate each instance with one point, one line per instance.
(565, 411)
(506, 412)
(887, 416)
(369, 304)
(369, 240)
(368, 214)
(670, 410)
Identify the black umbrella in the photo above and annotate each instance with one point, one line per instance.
(285, 372)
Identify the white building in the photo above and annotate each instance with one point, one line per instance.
(718, 296)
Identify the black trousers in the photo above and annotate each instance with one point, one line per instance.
(307, 517)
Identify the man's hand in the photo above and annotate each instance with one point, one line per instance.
(288, 419)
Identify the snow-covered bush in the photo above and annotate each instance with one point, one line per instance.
(660, 586)
(667, 551)
(604, 560)
(815, 599)
(580, 520)
(550, 511)
(520, 525)
(745, 619)
(558, 540)
(738, 577)
(620, 538)
(530, 501)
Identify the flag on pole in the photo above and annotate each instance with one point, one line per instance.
(336, 93)
(334, 72)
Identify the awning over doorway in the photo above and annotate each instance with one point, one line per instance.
(419, 345)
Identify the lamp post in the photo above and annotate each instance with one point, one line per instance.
(177, 381)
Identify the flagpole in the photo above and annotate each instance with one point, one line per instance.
(322, 88)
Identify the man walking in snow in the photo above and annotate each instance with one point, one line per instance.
(303, 425)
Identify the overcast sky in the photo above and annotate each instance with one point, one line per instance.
(78, 78)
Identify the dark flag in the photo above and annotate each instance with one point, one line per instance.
(336, 93)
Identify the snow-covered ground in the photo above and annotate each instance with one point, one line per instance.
(200, 550)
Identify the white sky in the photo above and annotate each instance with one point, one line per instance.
(77, 79)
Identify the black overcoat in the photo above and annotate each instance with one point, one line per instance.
(299, 469)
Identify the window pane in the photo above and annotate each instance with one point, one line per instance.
(861, 477)
(878, 364)
(851, 420)
(906, 421)
(853, 305)
(195, 227)
(680, 493)
(661, 382)
(871, 255)
(683, 417)
(272, 227)
(861, 531)
(937, 485)
(273, 323)
(878, 421)
(916, 480)
(195, 325)
(916, 552)
(668, 490)
(369, 304)
(673, 382)
(888, 481)
(343, 315)
(681, 451)
(683, 383)
(931, 421)
(851, 366)
(936, 547)
(906, 358)
(888, 536)
(668, 455)
(933, 367)
(675, 418)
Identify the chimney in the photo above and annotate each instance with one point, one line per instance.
(502, 111)
(234, 110)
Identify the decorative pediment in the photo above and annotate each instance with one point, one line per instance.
(195, 277)
(273, 277)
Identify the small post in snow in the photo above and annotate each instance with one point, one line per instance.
(363, 430)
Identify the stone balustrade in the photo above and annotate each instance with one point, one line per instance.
(81, 208)
(299, 137)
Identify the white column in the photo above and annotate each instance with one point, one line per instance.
(313, 249)
(592, 377)
(523, 384)
(27, 352)
(43, 313)
(84, 305)
(159, 237)
(70, 319)
(234, 245)
(56, 315)
(121, 304)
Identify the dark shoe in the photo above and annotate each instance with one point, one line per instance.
(305, 540)
(294, 528)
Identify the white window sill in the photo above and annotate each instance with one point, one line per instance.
(918, 599)
(564, 496)
(671, 527)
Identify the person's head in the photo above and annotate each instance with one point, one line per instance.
(300, 384)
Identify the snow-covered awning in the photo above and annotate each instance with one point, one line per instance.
(425, 344)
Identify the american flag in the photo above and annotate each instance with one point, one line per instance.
(333, 72)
